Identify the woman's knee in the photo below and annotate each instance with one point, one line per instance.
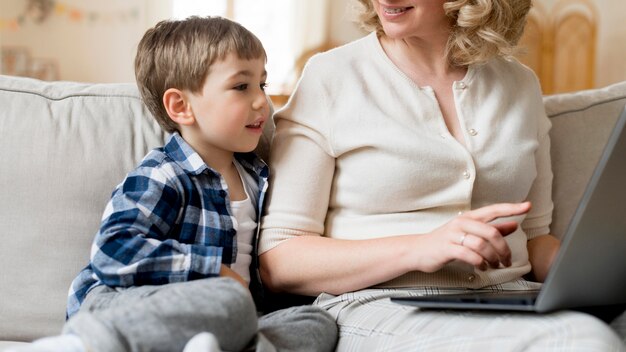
(581, 331)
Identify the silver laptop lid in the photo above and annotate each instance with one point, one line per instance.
(590, 268)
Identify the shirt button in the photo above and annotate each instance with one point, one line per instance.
(471, 277)
(222, 193)
(472, 132)
(460, 85)
(466, 174)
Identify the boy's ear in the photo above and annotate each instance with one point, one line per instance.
(177, 107)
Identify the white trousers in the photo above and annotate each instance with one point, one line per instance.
(369, 321)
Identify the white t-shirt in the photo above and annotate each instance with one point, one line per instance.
(245, 223)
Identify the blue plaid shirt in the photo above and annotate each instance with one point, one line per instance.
(168, 221)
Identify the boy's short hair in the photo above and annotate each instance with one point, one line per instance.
(178, 54)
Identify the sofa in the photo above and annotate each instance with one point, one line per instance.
(64, 146)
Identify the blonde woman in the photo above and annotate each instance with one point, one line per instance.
(417, 160)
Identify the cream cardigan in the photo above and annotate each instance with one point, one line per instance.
(360, 151)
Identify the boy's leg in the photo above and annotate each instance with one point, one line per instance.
(302, 328)
(165, 318)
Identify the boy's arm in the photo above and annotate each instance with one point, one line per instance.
(136, 244)
(228, 272)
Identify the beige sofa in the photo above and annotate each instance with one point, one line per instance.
(64, 146)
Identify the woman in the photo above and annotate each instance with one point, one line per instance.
(417, 159)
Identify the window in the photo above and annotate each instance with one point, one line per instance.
(270, 20)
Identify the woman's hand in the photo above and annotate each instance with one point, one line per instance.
(471, 238)
(336, 266)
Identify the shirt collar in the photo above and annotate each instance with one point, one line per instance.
(184, 155)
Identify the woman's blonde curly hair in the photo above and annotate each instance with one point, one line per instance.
(480, 30)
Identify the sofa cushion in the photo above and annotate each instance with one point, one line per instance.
(581, 124)
(64, 147)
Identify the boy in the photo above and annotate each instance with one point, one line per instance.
(172, 259)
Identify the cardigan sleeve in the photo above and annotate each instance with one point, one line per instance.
(537, 221)
(302, 165)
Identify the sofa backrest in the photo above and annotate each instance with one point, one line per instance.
(64, 146)
(581, 124)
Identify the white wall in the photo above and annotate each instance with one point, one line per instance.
(93, 49)
(342, 26)
(611, 50)
(103, 51)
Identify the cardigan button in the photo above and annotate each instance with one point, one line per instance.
(471, 277)
(460, 85)
(466, 174)
(472, 132)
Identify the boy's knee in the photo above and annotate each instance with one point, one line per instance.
(319, 325)
(313, 315)
(229, 295)
(313, 327)
(233, 315)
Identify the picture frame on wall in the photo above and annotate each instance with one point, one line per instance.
(15, 61)
(44, 69)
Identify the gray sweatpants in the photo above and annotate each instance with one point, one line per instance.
(166, 317)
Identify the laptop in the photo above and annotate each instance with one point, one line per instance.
(590, 268)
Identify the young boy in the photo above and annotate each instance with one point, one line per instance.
(176, 251)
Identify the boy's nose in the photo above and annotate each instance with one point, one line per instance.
(260, 101)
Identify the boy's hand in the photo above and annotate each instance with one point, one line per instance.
(228, 272)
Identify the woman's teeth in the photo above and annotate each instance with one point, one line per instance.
(395, 11)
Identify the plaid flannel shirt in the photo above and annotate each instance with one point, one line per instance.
(168, 221)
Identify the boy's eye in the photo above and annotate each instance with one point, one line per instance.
(241, 87)
(263, 86)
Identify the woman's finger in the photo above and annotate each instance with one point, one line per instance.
(495, 211)
(488, 239)
(506, 228)
(482, 248)
(468, 256)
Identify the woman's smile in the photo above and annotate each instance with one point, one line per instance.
(391, 12)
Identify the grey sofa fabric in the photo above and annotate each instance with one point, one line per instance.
(581, 124)
(64, 146)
